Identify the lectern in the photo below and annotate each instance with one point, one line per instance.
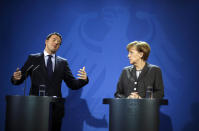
(134, 114)
(29, 113)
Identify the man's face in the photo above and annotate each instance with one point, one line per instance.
(52, 44)
(133, 55)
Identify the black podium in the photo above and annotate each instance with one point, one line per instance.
(134, 114)
(29, 113)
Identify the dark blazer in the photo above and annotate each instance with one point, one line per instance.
(39, 75)
(150, 76)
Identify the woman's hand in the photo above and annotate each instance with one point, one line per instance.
(134, 95)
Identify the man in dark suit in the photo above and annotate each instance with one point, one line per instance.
(142, 77)
(47, 70)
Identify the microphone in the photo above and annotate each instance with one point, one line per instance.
(35, 68)
(26, 74)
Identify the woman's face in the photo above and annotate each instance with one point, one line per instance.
(134, 56)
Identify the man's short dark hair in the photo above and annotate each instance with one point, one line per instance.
(54, 33)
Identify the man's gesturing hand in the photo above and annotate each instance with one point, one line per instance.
(17, 75)
(82, 74)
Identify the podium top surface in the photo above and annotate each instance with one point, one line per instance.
(125, 100)
(35, 98)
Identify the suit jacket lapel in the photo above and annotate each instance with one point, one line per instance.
(144, 71)
(43, 66)
(132, 74)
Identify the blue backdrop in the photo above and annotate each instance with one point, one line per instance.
(95, 34)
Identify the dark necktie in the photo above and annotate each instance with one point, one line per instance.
(49, 66)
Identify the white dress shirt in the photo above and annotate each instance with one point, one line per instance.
(138, 72)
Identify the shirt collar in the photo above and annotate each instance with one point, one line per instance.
(46, 54)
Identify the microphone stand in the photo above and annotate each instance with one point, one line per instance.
(25, 83)
(26, 74)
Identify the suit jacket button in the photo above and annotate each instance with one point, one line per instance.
(135, 82)
(134, 89)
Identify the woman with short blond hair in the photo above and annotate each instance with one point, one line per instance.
(135, 80)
